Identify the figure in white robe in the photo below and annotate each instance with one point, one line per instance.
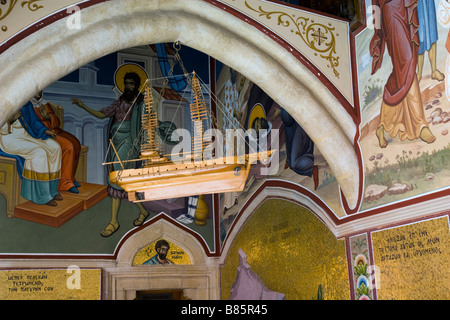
(25, 138)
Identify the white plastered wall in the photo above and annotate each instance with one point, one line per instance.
(55, 50)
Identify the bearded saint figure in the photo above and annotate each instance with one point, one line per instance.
(124, 126)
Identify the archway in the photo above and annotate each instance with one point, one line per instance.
(198, 280)
(303, 255)
(54, 51)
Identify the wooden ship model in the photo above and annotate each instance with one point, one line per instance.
(161, 178)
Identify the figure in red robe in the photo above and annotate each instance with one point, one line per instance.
(401, 111)
(70, 145)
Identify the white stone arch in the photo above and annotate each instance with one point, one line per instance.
(55, 50)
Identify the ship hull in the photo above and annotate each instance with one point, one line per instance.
(170, 180)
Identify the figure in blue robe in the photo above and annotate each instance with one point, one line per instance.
(428, 36)
(25, 138)
(299, 146)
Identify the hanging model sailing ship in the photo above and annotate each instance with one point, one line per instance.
(161, 178)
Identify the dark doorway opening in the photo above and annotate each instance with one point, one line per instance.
(160, 295)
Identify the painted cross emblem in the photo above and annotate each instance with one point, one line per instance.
(319, 36)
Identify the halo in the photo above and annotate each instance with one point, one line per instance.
(256, 112)
(124, 69)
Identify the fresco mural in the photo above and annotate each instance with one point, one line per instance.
(246, 106)
(404, 106)
(87, 107)
(68, 126)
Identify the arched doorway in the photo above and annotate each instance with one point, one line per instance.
(290, 250)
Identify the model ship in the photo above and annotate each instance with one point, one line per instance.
(160, 178)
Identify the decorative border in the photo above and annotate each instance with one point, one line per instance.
(359, 263)
(32, 6)
(319, 37)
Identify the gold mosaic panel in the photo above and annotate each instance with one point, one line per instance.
(292, 252)
(413, 261)
(176, 254)
(54, 284)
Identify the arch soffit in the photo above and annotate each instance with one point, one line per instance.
(54, 51)
(161, 229)
(284, 193)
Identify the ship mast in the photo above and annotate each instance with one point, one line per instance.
(149, 147)
(199, 114)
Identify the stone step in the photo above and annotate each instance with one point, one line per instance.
(71, 205)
